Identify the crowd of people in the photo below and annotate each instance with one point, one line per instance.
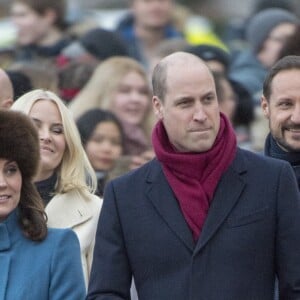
(137, 163)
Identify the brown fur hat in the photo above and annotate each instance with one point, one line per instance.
(19, 141)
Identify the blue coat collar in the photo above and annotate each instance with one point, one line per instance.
(7, 231)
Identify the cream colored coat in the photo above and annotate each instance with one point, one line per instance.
(71, 210)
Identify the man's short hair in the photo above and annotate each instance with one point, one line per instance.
(159, 80)
(58, 6)
(286, 63)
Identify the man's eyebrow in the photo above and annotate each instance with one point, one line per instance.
(182, 98)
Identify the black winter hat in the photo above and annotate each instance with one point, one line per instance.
(19, 141)
(210, 52)
(103, 43)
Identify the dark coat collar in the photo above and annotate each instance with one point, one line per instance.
(227, 194)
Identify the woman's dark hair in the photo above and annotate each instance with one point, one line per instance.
(87, 123)
(32, 216)
(20, 143)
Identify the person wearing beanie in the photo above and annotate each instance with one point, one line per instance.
(266, 34)
(274, 24)
(102, 138)
(29, 251)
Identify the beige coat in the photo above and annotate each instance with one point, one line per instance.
(71, 210)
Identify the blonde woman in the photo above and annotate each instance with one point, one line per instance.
(120, 85)
(65, 179)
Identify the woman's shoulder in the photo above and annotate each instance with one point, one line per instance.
(94, 204)
(73, 208)
(56, 241)
(89, 199)
(94, 200)
(77, 195)
(57, 235)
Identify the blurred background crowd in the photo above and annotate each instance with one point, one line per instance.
(98, 55)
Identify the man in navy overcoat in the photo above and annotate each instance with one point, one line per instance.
(204, 219)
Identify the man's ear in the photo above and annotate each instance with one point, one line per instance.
(265, 106)
(158, 107)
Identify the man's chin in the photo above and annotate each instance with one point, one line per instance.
(289, 147)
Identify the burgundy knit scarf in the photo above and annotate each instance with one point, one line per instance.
(193, 177)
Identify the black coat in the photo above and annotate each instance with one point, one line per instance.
(252, 232)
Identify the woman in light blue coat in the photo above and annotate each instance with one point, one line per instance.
(36, 262)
